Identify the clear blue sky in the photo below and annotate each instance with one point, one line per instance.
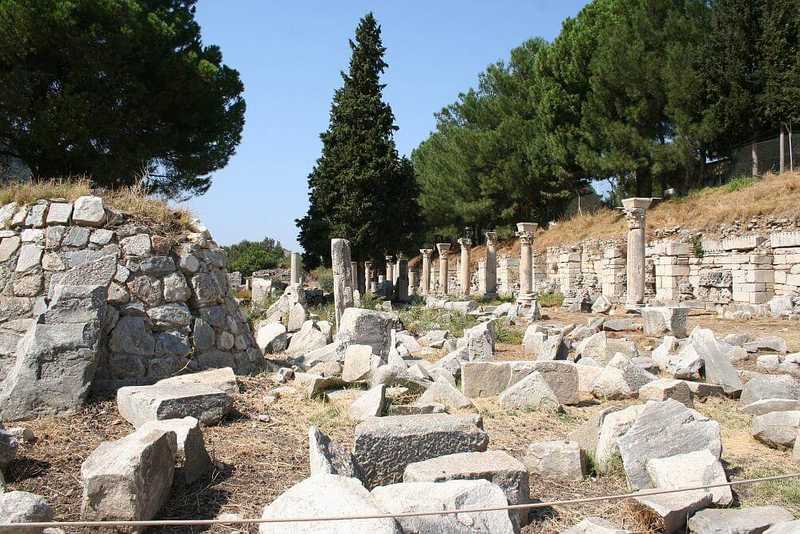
(289, 55)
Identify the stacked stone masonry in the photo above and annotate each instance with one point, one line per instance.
(171, 304)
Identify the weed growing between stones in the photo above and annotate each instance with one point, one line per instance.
(418, 320)
(509, 334)
(549, 300)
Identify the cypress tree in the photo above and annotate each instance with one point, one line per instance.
(360, 189)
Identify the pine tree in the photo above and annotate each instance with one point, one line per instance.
(360, 189)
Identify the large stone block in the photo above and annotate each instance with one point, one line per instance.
(498, 467)
(56, 360)
(23, 507)
(718, 367)
(776, 429)
(367, 327)
(660, 320)
(327, 457)
(665, 429)
(326, 495)
(531, 393)
(753, 520)
(450, 495)
(691, 469)
(384, 446)
(769, 387)
(194, 461)
(562, 460)
(129, 479)
(139, 404)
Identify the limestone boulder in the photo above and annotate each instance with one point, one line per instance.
(129, 479)
(717, 365)
(9, 444)
(660, 320)
(562, 460)
(766, 406)
(667, 388)
(443, 392)
(562, 377)
(307, 339)
(206, 403)
(601, 305)
(449, 495)
(326, 457)
(23, 507)
(750, 520)
(480, 341)
(56, 360)
(384, 446)
(769, 387)
(595, 525)
(610, 427)
(691, 469)
(324, 495)
(672, 509)
(271, 338)
(371, 403)
(367, 327)
(297, 317)
(776, 429)
(611, 384)
(531, 393)
(665, 429)
(222, 379)
(541, 346)
(784, 527)
(193, 460)
(497, 467)
(767, 344)
(358, 363)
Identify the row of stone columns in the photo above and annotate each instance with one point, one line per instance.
(397, 275)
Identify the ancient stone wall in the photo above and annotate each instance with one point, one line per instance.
(170, 306)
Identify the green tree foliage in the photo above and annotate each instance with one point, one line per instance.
(116, 89)
(482, 166)
(360, 189)
(779, 52)
(250, 256)
(643, 93)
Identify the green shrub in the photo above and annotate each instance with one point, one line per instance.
(740, 182)
(324, 278)
(418, 320)
(511, 335)
(549, 300)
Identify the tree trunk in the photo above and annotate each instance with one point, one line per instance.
(644, 183)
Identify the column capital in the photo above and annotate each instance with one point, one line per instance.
(635, 217)
(400, 256)
(389, 258)
(368, 264)
(426, 252)
(491, 238)
(465, 242)
(443, 248)
(526, 228)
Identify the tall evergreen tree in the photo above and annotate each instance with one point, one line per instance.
(779, 55)
(360, 189)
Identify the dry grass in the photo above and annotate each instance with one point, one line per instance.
(705, 209)
(133, 200)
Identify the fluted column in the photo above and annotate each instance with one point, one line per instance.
(490, 270)
(444, 249)
(635, 209)
(426, 270)
(463, 268)
(342, 277)
(402, 277)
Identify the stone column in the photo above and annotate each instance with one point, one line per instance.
(396, 270)
(525, 233)
(342, 277)
(443, 249)
(296, 268)
(388, 286)
(354, 274)
(490, 270)
(368, 276)
(402, 277)
(463, 268)
(413, 284)
(425, 287)
(634, 209)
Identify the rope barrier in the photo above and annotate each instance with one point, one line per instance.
(512, 507)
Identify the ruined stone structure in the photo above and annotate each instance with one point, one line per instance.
(170, 304)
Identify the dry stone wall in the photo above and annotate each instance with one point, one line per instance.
(170, 305)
